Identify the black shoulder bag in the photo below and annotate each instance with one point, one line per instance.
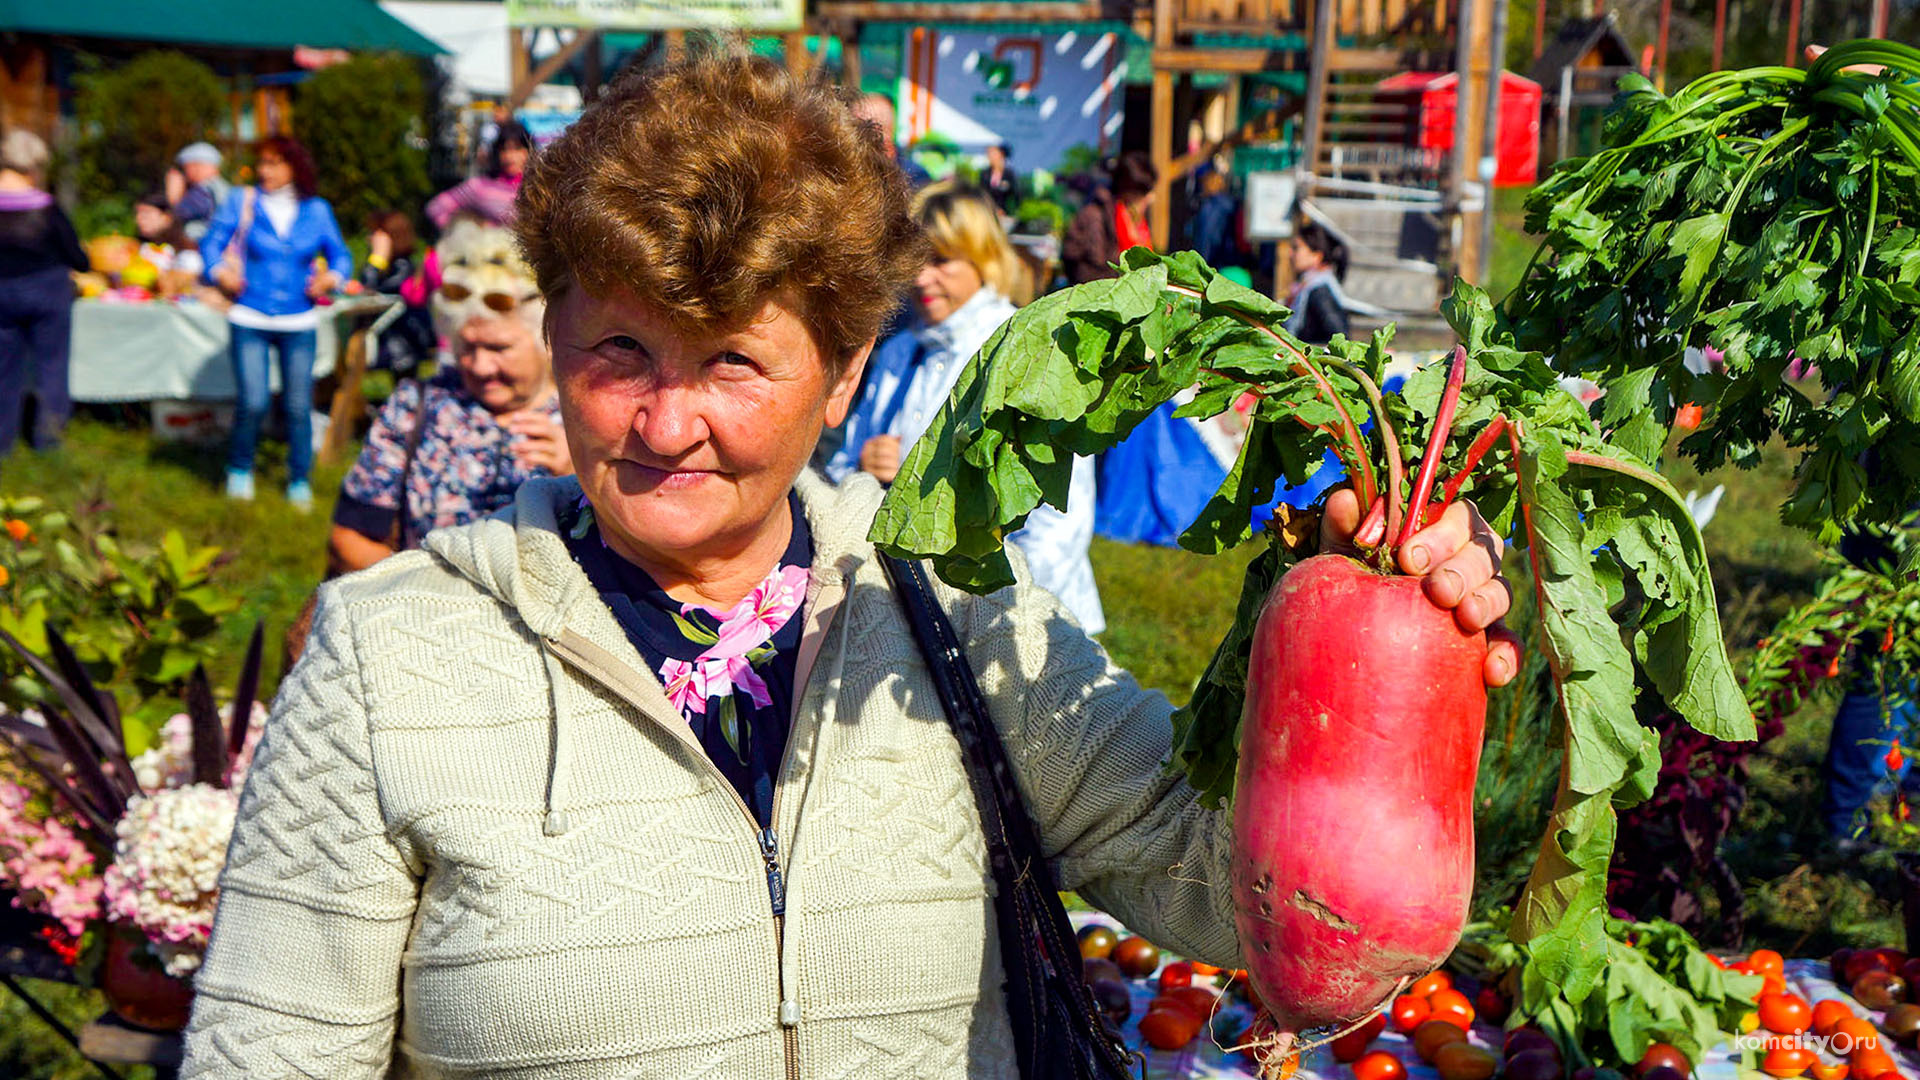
(1059, 1032)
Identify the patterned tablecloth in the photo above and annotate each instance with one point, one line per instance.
(1206, 1059)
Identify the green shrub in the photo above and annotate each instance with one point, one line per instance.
(133, 118)
(364, 122)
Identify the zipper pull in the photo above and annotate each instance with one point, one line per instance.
(776, 885)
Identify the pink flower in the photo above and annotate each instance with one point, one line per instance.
(723, 666)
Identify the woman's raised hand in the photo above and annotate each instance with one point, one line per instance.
(539, 442)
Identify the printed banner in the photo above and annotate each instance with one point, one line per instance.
(658, 14)
(1048, 96)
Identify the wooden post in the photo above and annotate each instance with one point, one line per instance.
(1719, 33)
(1878, 27)
(1540, 27)
(1478, 79)
(1159, 214)
(1490, 130)
(1320, 58)
(1793, 33)
(850, 58)
(596, 74)
(518, 67)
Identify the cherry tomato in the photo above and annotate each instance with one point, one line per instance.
(1348, 1048)
(1408, 1012)
(1379, 1065)
(1750, 1023)
(1096, 941)
(1873, 1063)
(1490, 1004)
(1176, 975)
(1197, 1000)
(1820, 1070)
(1453, 1007)
(1772, 984)
(1828, 1014)
(1767, 962)
(1717, 962)
(1204, 970)
(1785, 1013)
(1664, 1055)
(1431, 984)
(1168, 1027)
(1858, 1036)
(1786, 1062)
(1430, 1036)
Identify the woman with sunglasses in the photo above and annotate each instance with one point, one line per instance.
(454, 448)
(264, 250)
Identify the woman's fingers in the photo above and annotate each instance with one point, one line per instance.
(1503, 655)
(1339, 520)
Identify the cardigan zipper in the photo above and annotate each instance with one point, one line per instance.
(607, 673)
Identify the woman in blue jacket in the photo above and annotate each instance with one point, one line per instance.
(261, 250)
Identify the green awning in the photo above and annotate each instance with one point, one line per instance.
(233, 24)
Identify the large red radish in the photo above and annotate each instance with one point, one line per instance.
(1353, 807)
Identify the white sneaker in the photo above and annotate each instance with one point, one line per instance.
(240, 486)
(300, 494)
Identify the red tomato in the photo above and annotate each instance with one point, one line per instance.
(1820, 1070)
(1767, 962)
(1772, 983)
(1859, 1036)
(1491, 1004)
(1379, 1065)
(1204, 970)
(1168, 1027)
(1197, 1000)
(1431, 984)
(1785, 1013)
(1786, 1062)
(1828, 1014)
(1874, 1063)
(1176, 975)
(1348, 1048)
(1453, 1007)
(1408, 1012)
(1717, 962)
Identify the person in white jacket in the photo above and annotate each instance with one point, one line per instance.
(644, 778)
(971, 284)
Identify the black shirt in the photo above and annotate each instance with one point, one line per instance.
(745, 737)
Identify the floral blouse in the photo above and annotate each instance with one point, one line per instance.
(463, 468)
(730, 673)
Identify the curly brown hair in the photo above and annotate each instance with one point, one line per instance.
(709, 186)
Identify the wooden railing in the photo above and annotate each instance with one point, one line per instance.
(1360, 22)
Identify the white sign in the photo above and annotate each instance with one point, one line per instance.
(658, 14)
(1271, 197)
(1041, 94)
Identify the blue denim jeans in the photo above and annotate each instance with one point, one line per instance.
(295, 349)
(1856, 755)
(36, 319)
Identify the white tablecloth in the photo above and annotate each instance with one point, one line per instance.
(154, 351)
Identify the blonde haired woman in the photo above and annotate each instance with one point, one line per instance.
(971, 283)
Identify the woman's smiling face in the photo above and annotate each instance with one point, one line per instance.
(687, 445)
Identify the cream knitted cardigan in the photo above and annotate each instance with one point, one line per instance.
(478, 841)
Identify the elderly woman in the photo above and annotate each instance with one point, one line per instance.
(969, 286)
(644, 777)
(37, 249)
(454, 449)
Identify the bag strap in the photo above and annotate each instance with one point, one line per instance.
(1036, 940)
(403, 522)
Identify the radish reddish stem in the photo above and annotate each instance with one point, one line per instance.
(1474, 453)
(1358, 462)
(1442, 427)
(1396, 471)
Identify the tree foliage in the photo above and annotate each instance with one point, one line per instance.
(363, 121)
(135, 117)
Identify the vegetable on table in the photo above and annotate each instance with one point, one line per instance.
(1626, 607)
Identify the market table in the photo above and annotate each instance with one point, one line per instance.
(1204, 1059)
(177, 351)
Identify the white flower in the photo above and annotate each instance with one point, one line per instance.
(168, 763)
(165, 877)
